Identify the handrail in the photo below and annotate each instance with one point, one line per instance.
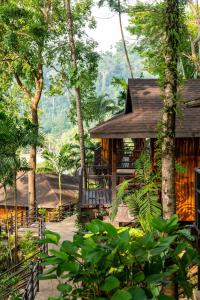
(26, 273)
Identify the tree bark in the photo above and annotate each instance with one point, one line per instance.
(34, 101)
(170, 105)
(77, 90)
(123, 40)
(33, 149)
(60, 188)
(7, 222)
(16, 212)
(169, 118)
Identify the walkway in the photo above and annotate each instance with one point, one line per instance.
(66, 229)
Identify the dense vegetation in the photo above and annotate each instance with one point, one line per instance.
(55, 109)
(54, 87)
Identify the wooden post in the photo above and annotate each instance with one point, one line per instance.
(114, 169)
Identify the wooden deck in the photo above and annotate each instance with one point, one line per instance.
(94, 198)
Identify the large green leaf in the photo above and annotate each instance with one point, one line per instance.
(164, 297)
(64, 287)
(137, 293)
(59, 254)
(70, 267)
(121, 295)
(52, 237)
(69, 247)
(110, 283)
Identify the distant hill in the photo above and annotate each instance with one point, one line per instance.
(53, 117)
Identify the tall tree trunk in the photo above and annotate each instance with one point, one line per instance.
(32, 164)
(170, 105)
(123, 40)
(34, 101)
(77, 90)
(16, 219)
(169, 117)
(7, 222)
(60, 188)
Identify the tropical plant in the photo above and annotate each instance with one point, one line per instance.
(15, 133)
(147, 23)
(27, 245)
(123, 263)
(143, 199)
(24, 45)
(57, 163)
(96, 109)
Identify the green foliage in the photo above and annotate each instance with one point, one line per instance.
(147, 22)
(96, 109)
(143, 199)
(110, 263)
(27, 245)
(15, 134)
(5, 258)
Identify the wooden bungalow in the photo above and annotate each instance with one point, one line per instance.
(47, 194)
(115, 158)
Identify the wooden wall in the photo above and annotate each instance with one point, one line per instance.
(10, 210)
(106, 148)
(188, 156)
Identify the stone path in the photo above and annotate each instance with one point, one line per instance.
(66, 229)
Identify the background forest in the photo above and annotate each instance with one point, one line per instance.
(54, 109)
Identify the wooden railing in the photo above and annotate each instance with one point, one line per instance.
(126, 156)
(98, 190)
(22, 278)
(65, 210)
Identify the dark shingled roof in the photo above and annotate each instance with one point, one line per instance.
(47, 190)
(143, 111)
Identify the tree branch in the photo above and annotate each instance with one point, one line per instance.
(26, 92)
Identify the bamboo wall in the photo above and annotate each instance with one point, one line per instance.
(10, 211)
(188, 156)
(105, 146)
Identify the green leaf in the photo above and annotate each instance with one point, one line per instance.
(45, 277)
(70, 267)
(52, 237)
(64, 287)
(110, 229)
(110, 283)
(154, 278)
(69, 247)
(51, 260)
(137, 294)
(59, 254)
(122, 295)
(139, 277)
(164, 297)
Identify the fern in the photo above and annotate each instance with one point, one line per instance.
(119, 199)
(143, 201)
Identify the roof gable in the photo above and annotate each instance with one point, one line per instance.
(143, 111)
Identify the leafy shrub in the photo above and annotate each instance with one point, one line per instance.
(110, 263)
(27, 245)
(143, 200)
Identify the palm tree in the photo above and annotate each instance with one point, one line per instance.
(56, 163)
(100, 108)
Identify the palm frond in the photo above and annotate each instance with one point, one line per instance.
(119, 199)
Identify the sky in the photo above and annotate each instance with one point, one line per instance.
(107, 32)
